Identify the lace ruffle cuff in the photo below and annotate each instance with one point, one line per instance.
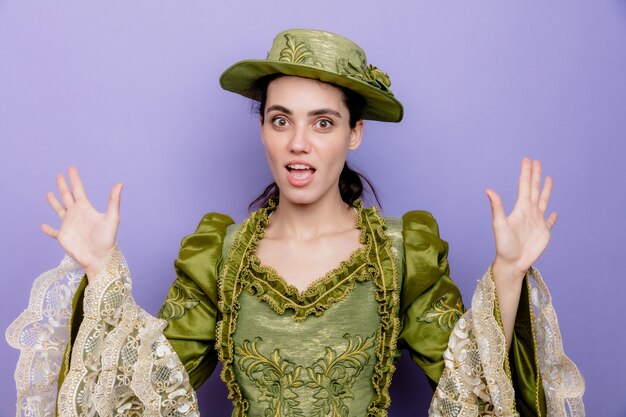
(475, 380)
(41, 333)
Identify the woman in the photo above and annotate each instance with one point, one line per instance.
(307, 302)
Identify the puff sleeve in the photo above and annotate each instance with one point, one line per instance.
(190, 308)
(430, 303)
(464, 354)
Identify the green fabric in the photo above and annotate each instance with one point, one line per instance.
(308, 367)
(190, 306)
(375, 262)
(75, 320)
(530, 397)
(429, 304)
(321, 56)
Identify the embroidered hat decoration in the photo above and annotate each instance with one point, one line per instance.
(322, 56)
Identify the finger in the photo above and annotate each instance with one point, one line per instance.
(551, 220)
(56, 206)
(64, 191)
(77, 184)
(523, 188)
(53, 233)
(545, 194)
(535, 181)
(497, 210)
(113, 207)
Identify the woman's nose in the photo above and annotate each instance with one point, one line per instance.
(300, 141)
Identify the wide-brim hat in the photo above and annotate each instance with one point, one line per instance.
(322, 56)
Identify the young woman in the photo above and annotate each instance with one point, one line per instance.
(309, 300)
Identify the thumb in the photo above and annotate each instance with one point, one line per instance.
(113, 207)
(497, 211)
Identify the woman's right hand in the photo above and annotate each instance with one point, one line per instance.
(85, 234)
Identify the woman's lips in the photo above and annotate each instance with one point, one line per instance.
(299, 174)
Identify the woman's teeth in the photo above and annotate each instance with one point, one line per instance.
(298, 166)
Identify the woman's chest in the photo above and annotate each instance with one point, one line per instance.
(322, 365)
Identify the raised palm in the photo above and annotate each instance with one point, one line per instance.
(85, 234)
(522, 236)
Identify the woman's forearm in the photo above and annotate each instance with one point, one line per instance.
(508, 281)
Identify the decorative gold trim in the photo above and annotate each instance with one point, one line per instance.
(444, 315)
(387, 294)
(378, 257)
(497, 313)
(267, 285)
(298, 53)
(179, 300)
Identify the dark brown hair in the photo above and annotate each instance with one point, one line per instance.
(351, 183)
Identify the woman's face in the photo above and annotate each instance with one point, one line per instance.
(306, 133)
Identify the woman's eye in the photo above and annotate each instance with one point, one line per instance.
(324, 123)
(279, 121)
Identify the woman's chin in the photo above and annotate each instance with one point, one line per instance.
(304, 197)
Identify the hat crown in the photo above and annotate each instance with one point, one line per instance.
(327, 51)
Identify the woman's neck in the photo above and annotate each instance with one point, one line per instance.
(309, 221)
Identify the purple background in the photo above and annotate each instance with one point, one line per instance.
(128, 91)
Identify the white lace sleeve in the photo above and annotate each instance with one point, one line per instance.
(474, 382)
(121, 364)
(41, 333)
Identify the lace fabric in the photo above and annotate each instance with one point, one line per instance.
(122, 365)
(41, 333)
(562, 380)
(475, 383)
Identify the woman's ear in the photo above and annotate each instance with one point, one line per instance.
(356, 135)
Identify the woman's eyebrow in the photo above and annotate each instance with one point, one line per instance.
(279, 108)
(318, 112)
(324, 111)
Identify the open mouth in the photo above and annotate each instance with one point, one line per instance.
(300, 171)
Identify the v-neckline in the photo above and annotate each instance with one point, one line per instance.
(312, 289)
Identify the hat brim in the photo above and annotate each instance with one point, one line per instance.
(241, 77)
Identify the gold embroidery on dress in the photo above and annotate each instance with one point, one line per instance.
(275, 377)
(333, 375)
(299, 53)
(382, 267)
(178, 301)
(445, 315)
(330, 377)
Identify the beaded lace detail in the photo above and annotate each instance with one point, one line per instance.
(474, 381)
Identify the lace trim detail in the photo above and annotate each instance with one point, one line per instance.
(122, 365)
(268, 286)
(388, 296)
(229, 290)
(41, 333)
(378, 257)
(562, 381)
(474, 381)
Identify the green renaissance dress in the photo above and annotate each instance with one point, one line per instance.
(89, 350)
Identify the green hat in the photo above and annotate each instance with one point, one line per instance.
(322, 56)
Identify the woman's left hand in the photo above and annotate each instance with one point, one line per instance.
(522, 236)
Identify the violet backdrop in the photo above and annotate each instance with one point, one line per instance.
(128, 92)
